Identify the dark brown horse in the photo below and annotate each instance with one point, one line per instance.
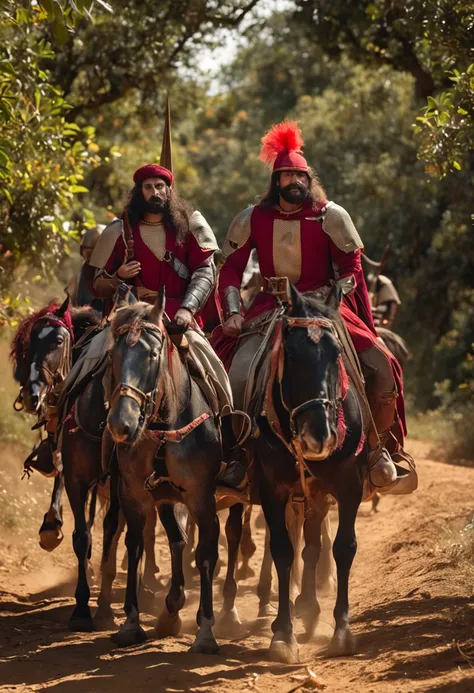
(313, 424)
(42, 353)
(155, 400)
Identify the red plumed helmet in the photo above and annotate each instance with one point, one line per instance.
(281, 148)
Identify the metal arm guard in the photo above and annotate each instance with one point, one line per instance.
(232, 300)
(105, 285)
(202, 282)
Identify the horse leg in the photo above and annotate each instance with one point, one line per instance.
(131, 632)
(307, 605)
(150, 569)
(113, 525)
(264, 587)
(50, 532)
(203, 510)
(77, 491)
(229, 622)
(169, 621)
(344, 549)
(284, 647)
(247, 548)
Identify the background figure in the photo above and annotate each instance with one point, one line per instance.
(77, 289)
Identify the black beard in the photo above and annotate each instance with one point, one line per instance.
(154, 206)
(294, 193)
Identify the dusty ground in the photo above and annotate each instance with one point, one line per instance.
(412, 608)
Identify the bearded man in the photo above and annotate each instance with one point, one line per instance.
(160, 241)
(301, 236)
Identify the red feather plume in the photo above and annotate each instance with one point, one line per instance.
(284, 137)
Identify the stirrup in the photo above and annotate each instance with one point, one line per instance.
(246, 428)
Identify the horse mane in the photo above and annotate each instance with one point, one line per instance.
(313, 304)
(19, 345)
(170, 379)
(84, 317)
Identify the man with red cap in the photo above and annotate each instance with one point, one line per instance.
(160, 241)
(298, 234)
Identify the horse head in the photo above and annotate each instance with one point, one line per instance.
(41, 351)
(309, 373)
(136, 353)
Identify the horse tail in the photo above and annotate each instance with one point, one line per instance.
(92, 507)
(325, 571)
(294, 518)
(181, 516)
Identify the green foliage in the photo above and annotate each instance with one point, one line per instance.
(43, 155)
(447, 125)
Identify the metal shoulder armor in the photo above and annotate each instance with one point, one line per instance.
(105, 244)
(202, 232)
(239, 232)
(340, 228)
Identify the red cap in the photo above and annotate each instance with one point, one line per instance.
(281, 148)
(153, 171)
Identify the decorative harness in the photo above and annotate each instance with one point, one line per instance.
(52, 378)
(150, 402)
(314, 327)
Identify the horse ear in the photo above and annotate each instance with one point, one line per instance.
(62, 309)
(295, 301)
(335, 297)
(157, 312)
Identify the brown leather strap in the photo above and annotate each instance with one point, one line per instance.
(128, 238)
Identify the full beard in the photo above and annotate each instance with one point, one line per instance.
(295, 193)
(154, 206)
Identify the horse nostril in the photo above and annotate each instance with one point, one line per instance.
(126, 429)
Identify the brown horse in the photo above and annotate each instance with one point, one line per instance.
(155, 400)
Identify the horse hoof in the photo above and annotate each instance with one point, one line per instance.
(81, 624)
(229, 625)
(127, 636)
(267, 610)
(206, 645)
(167, 625)
(245, 573)
(104, 619)
(50, 538)
(284, 649)
(343, 644)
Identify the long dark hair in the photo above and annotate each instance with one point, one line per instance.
(175, 215)
(316, 195)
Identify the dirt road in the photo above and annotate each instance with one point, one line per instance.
(412, 610)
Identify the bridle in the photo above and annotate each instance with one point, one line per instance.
(52, 378)
(314, 327)
(149, 402)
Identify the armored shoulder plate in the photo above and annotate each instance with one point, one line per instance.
(105, 243)
(386, 291)
(202, 232)
(340, 228)
(239, 231)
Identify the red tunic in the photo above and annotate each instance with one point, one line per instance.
(156, 273)
(297, 246)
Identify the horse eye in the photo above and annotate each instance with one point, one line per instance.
(153, 354)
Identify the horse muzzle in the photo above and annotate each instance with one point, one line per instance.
(33, 394)
(316, 449)
(123, 423)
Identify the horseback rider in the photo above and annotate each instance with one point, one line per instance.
(299, 235)
(160, 241)
(383, 295)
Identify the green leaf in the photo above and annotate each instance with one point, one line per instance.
(78, 189)
(457, 165)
